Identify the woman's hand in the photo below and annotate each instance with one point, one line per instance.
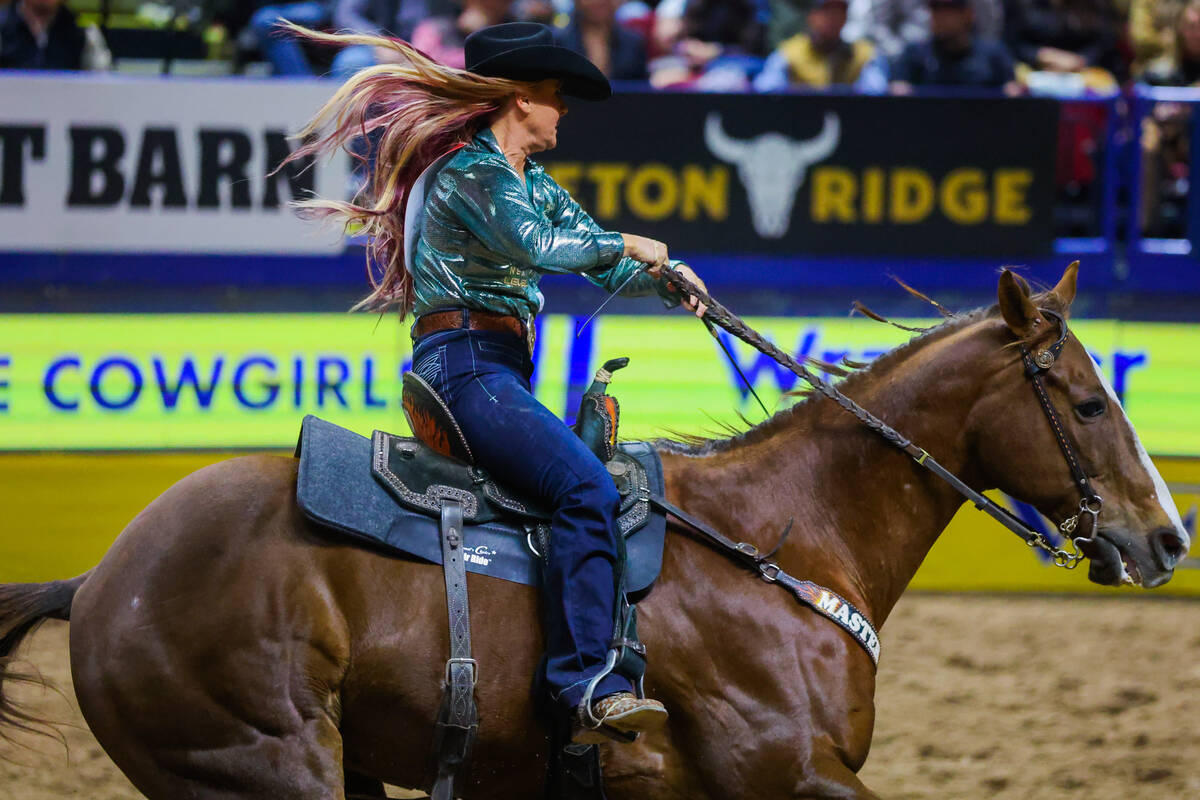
(653, 253)
(648, 251)
(691, 302)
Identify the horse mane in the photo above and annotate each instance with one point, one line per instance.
(732, 435)
(851, 373)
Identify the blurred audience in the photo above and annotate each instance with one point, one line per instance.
(708, 44)
(1181, 66)
(735, 25)
(1166, 157)
(443, 37)
(785, 19)
(894, 24)
(376, 17)
(890, 24)
(1066, 46)
(543, 11)
(594, 32)
(820, 58)
(286, 56)
(1152, 30)
(955, 55)
(40, 34)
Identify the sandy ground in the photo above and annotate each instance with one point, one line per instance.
(979, 697)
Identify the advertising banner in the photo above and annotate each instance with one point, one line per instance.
(86, 382)
(165, 166)
(817, 174)
(109, 165)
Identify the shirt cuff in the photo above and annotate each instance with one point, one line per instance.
(611, 247)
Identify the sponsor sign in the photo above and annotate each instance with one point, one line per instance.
(168, 166)
(97, 164)
(80, 382)
(817, 174)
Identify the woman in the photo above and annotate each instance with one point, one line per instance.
(491, 222)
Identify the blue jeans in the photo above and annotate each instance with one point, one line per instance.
(483, 376)
(285, 54)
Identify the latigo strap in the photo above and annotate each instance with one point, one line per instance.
(458, 718)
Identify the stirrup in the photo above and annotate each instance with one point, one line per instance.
(624, 721)
(586, 718)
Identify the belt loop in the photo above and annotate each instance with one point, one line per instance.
(466, 318)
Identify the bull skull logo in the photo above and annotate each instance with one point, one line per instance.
(772, 168)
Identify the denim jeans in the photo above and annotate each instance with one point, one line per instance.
(483, 376)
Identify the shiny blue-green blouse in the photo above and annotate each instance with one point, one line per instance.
(486, 237)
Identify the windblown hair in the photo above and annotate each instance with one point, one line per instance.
(407, 115)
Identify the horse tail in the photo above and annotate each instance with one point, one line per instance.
(23, 608)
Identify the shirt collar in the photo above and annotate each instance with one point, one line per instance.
(487, 140)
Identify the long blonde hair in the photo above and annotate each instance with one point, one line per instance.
(424, 109)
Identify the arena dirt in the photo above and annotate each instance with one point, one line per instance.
(979, 697)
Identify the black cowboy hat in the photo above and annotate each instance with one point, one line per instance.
(525, 51)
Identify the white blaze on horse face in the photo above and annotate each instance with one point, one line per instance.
(1161, 492)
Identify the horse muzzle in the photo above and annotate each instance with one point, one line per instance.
(1117, 558)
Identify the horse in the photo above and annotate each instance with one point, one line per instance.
(226, 648)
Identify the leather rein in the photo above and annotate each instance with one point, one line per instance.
(1036, 366)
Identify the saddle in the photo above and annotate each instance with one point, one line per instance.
(425, 497)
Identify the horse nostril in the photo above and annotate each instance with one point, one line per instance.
(1170, 547)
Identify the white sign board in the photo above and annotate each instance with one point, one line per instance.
(113, 164)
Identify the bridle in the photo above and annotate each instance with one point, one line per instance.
(1036, 365)
(1090, 503)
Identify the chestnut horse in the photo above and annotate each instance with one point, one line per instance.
(227, 648)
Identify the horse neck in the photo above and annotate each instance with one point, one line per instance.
(865, 514)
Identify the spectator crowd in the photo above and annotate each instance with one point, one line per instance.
(1060, 47)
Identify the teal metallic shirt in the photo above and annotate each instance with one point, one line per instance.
(486, 237)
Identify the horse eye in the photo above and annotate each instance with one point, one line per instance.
(1090, 409)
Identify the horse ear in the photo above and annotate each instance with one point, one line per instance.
(1064, 292)
(1024, 284)
(1018, 310)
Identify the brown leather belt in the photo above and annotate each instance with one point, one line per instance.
(460, 318)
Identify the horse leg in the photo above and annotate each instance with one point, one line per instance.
(362, 787)
(245, 762)
(204, 674)
(831, 779)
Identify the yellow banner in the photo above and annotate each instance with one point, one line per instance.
(48, 533)
(86, 382)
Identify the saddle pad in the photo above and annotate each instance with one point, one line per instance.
(336, 489)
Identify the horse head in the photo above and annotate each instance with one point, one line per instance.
(1138, 536)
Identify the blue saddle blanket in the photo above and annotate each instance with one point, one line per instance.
(337, 489)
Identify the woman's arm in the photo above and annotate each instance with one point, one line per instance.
(568, 214)
(640, 252)
(492, 202)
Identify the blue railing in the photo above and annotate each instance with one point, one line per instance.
(1159, 264)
